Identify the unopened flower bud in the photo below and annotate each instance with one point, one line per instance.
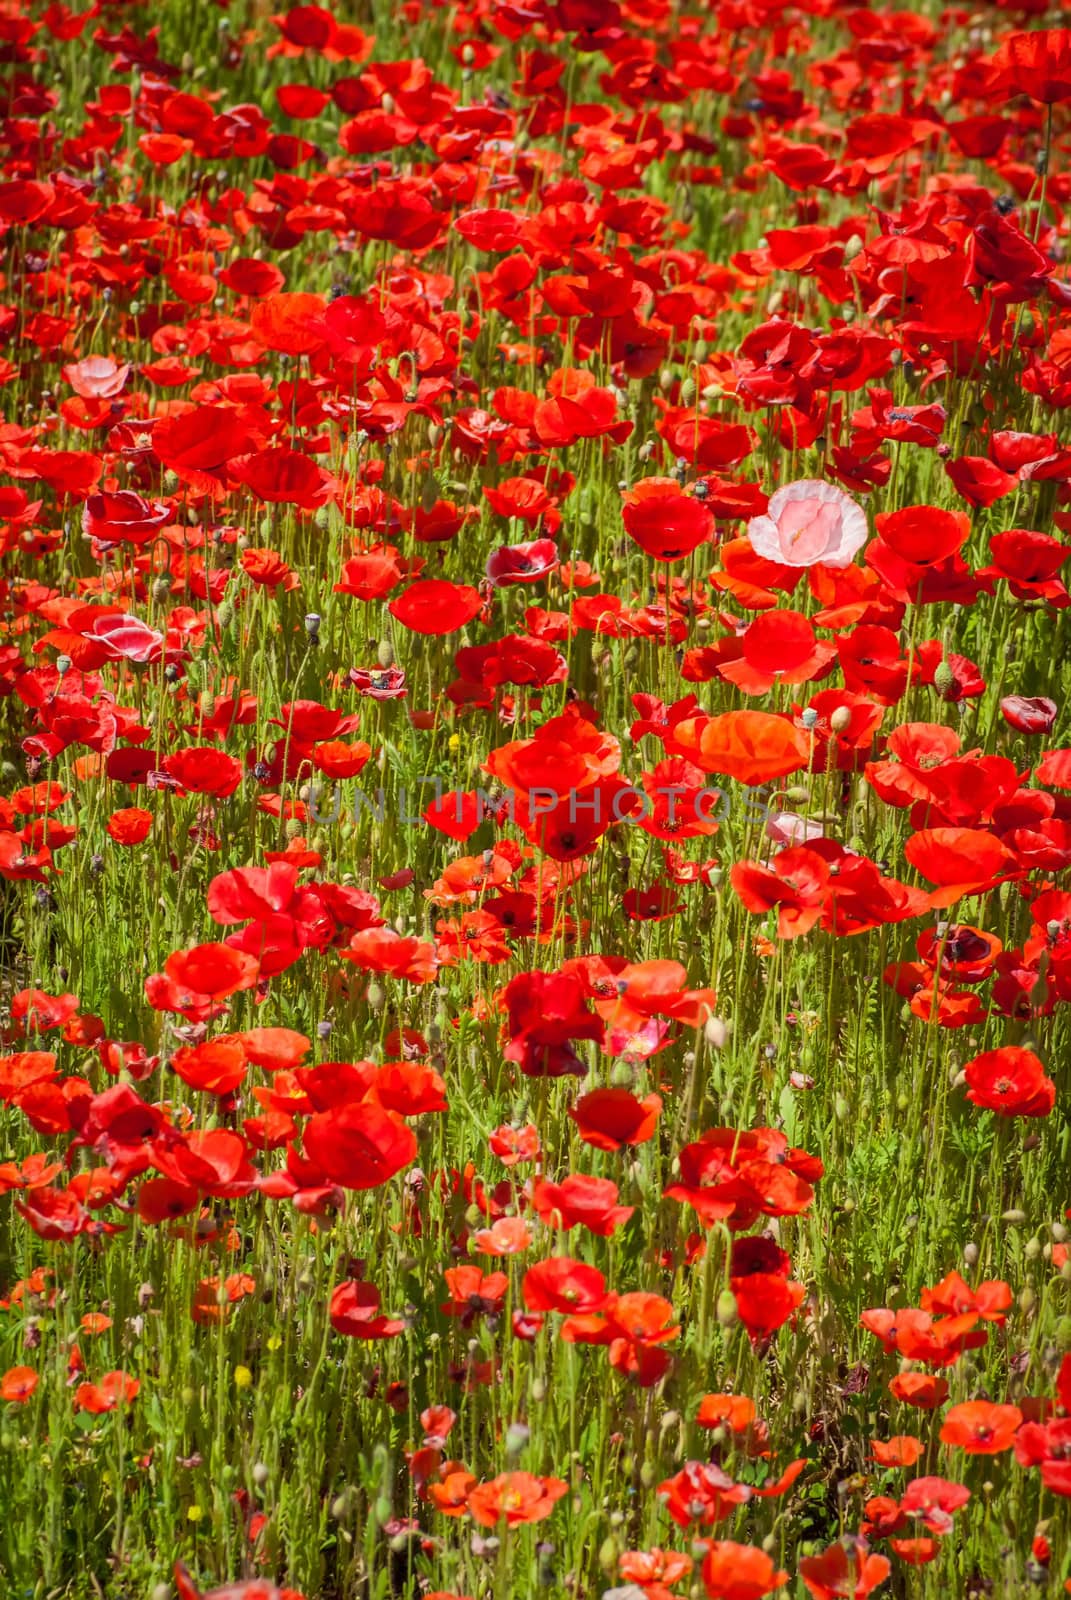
(726, 1311)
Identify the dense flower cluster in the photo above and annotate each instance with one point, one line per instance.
(643, 425)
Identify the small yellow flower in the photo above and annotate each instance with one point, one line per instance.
(275, 1343)
(242, 1377)
(454, 741)
(194, 1514)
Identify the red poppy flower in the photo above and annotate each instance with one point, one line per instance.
(562, 1284)
(515, 1498)
(1036, 64)
(123, 518)
(18, 1384)
(665, 522)
(218, 1066)
(1010, 1081)
(922, 1389)
(199, 440)
(1029, 714)
(611, 1119)
(359, 1146)
(284, 477)
(959, 860)
(754, 747)
(129, 826)
(795, 882)
(845, 1568)
(522, 563)
(204, 769)
(589, 1201)
(433, 606)
(739, 1572)
(902, 1450)
(980, 1427)
(355, 1311)
(114, 1389)
(212, 971)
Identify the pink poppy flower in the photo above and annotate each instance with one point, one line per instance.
(522, 563)
(809, 522)
(97, 377)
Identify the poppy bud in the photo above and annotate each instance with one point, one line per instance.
(1062, 1333)
(1027, 1301)
(688, 392)
(841, 720)
(853, 248)
(716, 1032)
(970, 1254)
(161, 589)
(538, 1390)
(517, 1437)
(608, 1554)
(649, 1474)
(260, 1474)
(375, 996)
(1014, 1218)
(1032, 1249)
(725, 1310)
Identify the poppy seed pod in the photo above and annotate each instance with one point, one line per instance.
(944, 679)
(726, 1309)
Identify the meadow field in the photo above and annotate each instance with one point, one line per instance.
(535, 800)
